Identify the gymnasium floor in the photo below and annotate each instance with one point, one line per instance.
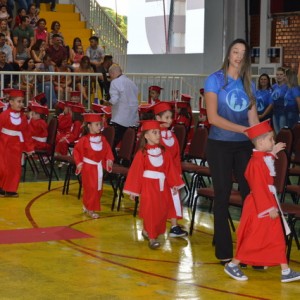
(65, 255)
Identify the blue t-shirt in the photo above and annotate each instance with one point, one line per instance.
(263, 100)
(290, 102)
(278, 97)
(233, 103)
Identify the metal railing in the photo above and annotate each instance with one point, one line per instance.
(114, 42)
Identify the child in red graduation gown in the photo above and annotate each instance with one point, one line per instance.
(14, 139)
(64, 121)
(150, 176)
(92, 153)
(163, 113)
(73, 135)
(154, 93)
(260, 237)
(38, 127)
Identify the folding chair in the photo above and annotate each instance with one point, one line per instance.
(181, 135)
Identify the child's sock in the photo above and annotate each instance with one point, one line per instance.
(231, 265)
(286, 271)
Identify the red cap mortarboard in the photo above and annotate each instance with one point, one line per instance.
(145, 107)
(150, 124)
(97, 107)
(75, 94)
(180, 104)
(185, 97)
(34, 106)
(155, 88)
(39, 97)
(106, 109)
(7, 90)
(92, 117)
(60, 104)
(259, 129)
(16, 93)
(161, 107)
(78, 108)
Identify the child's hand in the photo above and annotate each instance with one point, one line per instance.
(273, 213)
(78, 169)
(174, 190)
(277, 148)
(109, 166)
(132, 197)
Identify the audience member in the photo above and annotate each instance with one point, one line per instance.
(28, 81)
(83, 84)
(124, 102)
(95, 53)
(24, 30)
(52, 4)
(20, 13)
(24, 4)
(76, 53)
(21, 52)
(4, 66)
(38, 51)
(9, 6)
(55, 29)
(104, 79)
(40, 32)
(5, 48)
(3, 13)
(6, 31)
(44, 83)
(33, 15)
(62, 83)
(56, 51)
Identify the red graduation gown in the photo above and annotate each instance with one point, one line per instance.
(89, 173)
(39, 129)
(155, 203)
(11, 148)
(64, 126)
(169, 140)
(260, 241)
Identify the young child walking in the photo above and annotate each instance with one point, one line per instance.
(260, 237)
(92, 153)
(14, 139)
(150, 176)
(163, 114)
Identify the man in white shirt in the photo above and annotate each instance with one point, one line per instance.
(124, 100)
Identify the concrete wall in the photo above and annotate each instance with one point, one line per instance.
(224, 21)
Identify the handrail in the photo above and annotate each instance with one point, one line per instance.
(114, 42)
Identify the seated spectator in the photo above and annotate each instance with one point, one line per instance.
(82, 83)
(20, 13)
(5, 48)
(44, 82)
(3, 13)
(95, 53)
(40, 32)
(4, 66)
(24, 30)
(6, 31)
(56, 51)
(9, 6)
(28, 81)
(76, 53)
(33, 15)
(38, 51)
(104, 79)
(62, 83)
(55, 29)
(21, 52)
(24, 4)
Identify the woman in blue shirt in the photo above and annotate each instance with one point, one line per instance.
(292, 99)
(264, 103)
(231, 109)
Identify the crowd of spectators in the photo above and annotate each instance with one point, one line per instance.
(27, 44)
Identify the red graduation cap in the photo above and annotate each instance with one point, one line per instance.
(180, 104)
(34, 106)
(155, 88)
(161, 107)
(39, 97)
(150, 124)
(16, 93)
(60, 104)
(259, 129)
(97, 107)
(78, 108)
(75, 94)
(106, 109)
(92, 117)
(145, 107)
(186, 97)
(7, 90)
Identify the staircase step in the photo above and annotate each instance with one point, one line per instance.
(59, 16)
(58, 7)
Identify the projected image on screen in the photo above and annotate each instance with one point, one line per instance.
(165, 26)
